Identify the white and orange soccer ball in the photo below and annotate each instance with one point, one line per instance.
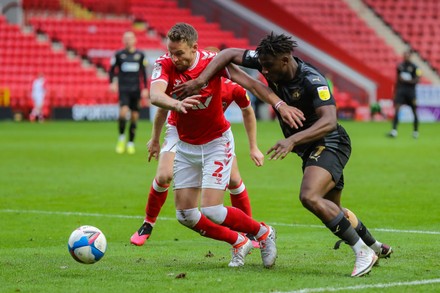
(87, 244)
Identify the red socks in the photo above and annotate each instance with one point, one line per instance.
(212, 230)
(240, 198)
(237, 220)
(156, 199)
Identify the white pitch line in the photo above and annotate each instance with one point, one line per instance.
(373, 229)
(306, 290)
(362, 287)
(174, 219)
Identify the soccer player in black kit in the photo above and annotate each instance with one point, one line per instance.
(131, 64)
(408, 75)
(319, 140)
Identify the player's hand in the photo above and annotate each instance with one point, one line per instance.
(257, 156)
(291, 115)
(144, 94)
(191, 87)
(145, 97)
(281, 149)
(113, 87)
(187, 103)
(153, 147)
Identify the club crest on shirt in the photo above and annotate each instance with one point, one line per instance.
(324, 93)
(176, 82)
(296, 94)
(157, 71)
(137, 56)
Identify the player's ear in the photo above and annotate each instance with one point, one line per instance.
(195, 46)
(285, 59)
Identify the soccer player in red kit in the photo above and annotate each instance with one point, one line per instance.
(205, 150)
(231, 92)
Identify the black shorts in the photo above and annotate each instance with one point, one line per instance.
(331, 154)
(405, 96)
(130, 98)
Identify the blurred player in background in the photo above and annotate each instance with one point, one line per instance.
(408, 75)
(205, 149)
(131, 64)
(231, 92)
(320, 141)
(38, 94)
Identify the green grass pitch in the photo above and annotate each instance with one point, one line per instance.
(57, 176)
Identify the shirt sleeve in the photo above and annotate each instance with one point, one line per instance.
(319, 90)
(113, 65)
(160, 71)
(143, 70)
(240, 97)
(250, 60)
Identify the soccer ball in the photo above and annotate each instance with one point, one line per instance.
(87, 244)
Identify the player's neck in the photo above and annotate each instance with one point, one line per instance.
(130, 49)
(293, 68)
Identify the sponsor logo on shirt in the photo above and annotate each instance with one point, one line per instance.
(130, 67)
(157, 71)
(324, 93)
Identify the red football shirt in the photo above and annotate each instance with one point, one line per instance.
(231, 92)
(204, 122)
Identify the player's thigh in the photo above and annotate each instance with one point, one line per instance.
(186, 198)
(124, 97)
(235, 179)
(170, 140)
(316, 182)
(164, 173)
(323, 169)
(134, 100)
(218, 156)
(187, 171)
(211, 197)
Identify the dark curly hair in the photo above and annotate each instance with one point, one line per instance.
(276, 44)
(183, 32)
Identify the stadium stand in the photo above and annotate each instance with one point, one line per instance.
(23, 57)
(416, 22)
(51, 5)
(160, 15)
(92, 30)
(342, 26)
(89, 38)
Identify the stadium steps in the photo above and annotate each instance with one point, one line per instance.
(68, 82)
(342, 26)
(416, 22)
(95, 39)
(161, 15)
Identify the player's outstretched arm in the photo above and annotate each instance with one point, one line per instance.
(160, 99)
(290, 115)
(326, 123)
(250, 124)
(153, 145)
(220, 61)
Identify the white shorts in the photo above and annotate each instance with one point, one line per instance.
(38, 100)
(204, 166)
(170, 140)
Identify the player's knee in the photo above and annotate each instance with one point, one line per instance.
(236, 187)
(164, 179)
(189, 217)
(308, 201)
(217, 213)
